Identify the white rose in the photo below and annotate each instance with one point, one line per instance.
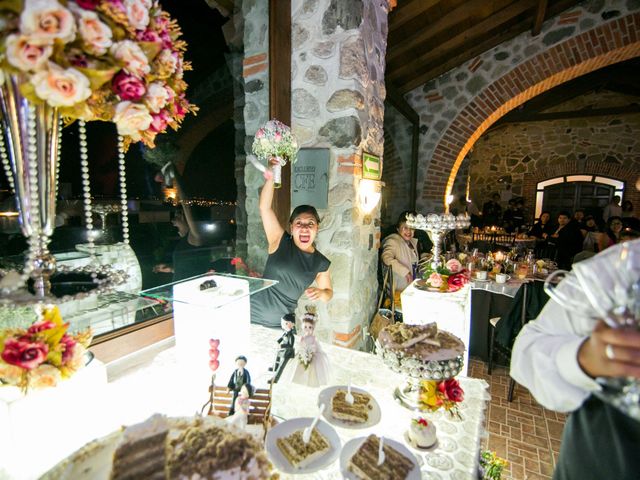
(45, 376)
(26, 54)
(132, 119)
(47, 20)
(156, 97)
(95, 34)
(169, 59)
(132, 58)
(60, 87)
(137, 13)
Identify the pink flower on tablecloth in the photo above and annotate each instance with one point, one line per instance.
(435, 280)
(457, 281)
(452, 390)
(24, 354)
(453, 265)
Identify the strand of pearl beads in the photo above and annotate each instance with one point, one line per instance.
(5, 163)
(123, 191)
(86, 188)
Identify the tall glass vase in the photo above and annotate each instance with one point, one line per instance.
(31, 133)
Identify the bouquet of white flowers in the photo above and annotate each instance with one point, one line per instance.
(275, 140)
(305, 354)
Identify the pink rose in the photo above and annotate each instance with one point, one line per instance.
(88, 4)
(278, 136)
(41, 326)
(453, 265)
(260, 133)
(435, 280)
(69, 346)
(128, 87)
(457, 281)
(159, 122)
(26, 53)
(148, 36)
(452, 390)
(24, 354)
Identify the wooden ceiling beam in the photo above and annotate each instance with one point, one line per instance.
(463, 40)
(450, 60)
(407, 11)
(418, 40)
(584, 113)
(541, 10)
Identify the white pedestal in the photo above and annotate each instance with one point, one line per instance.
(450, 311)
(39, 429)
(200, 315)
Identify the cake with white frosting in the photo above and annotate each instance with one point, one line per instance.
(422, 432)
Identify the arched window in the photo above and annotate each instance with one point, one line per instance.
(571, 192)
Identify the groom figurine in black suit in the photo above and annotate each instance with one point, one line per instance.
(286, 351)
(238, 378)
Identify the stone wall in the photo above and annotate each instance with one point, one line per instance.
(398, 136)
(338, 95)
(255, 71)
(458, 106)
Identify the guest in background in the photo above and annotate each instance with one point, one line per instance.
(400, 252)
(567, 241)
(541, 230)
(590, 234)
(578, 218)
(627, 209)
(557, 358)
(513, 218)
(492, 211)
(613, 209)
(611, 235)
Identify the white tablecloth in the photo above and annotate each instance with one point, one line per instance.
(159, 383)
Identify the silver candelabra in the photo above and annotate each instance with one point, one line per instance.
(437, 226)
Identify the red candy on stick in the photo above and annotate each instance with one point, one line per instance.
(214, 353)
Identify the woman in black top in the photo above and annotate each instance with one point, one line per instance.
(293, 261)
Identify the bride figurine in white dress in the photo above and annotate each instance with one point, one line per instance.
(312, 365)
(240, 417)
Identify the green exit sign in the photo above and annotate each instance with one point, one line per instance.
(371, 167)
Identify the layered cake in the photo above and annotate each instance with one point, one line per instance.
(364, 463)
(202, 448)
(358, 412)
(422, 433)
(421, 351)
(300, 454)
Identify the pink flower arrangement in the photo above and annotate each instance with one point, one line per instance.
(275, 139)
(41, 355)
(454, 266)
(435, 280)
(98, 60)
(445, 394)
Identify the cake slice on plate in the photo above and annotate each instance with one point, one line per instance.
(364, 463)
(358, 412)
(300, 454)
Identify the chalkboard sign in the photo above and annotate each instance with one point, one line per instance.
(310, 178)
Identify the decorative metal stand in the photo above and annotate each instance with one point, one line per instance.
(30, 153)
(437, 226)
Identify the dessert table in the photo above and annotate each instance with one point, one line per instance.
(157, 382)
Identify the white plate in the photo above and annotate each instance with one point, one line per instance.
(327, 394)
(352, 446)
(285, 429)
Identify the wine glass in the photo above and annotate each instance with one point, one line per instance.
(610, 292)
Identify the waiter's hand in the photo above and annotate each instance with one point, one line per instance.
(409, 278)
(611, 352)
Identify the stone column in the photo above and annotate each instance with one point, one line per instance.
(337, 102)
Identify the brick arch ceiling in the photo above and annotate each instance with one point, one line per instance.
(607, 44)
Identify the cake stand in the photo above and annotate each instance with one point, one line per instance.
(415, 370)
